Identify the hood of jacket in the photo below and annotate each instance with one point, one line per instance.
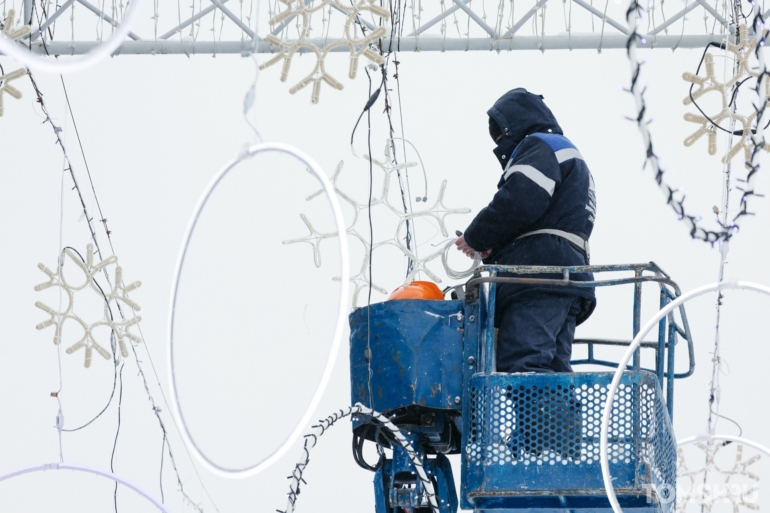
(520, 113)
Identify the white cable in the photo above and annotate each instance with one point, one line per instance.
(424, 174)
(339, 329)
(98, 54)
(652, 323)
(90, 470)
(451, 273)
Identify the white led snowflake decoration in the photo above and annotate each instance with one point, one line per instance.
(743, 52)
(437, 212)
(708, 495)
(357, 46)
(118, 293)
(13, 35)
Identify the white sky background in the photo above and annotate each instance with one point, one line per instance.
(255, 317)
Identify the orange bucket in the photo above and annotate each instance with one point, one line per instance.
(417, 290)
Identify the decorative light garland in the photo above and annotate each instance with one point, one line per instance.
(358, 46)
(635, 344)
(13, 35)
(119, 292)
(740, 468)
(674, 196)
(319, 429)
(89, 470)
(341, 323)
(438, 212)
(743, 52)
(95, 56)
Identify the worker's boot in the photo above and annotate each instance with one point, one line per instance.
(572, 424)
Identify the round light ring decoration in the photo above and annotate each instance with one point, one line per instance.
(315, 169)
(90, 470)
(95, 56)
(724, 438)
(652, 323)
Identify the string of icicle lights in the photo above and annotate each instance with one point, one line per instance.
(675, 197)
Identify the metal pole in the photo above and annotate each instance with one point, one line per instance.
(660, 352)
(637, 316)
(670, 378)
(489, 349)
(27, 12)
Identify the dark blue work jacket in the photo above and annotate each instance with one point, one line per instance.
(546, 184)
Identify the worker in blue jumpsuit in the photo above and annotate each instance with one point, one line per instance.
(542, 214)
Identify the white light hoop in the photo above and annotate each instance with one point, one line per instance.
(89, 470)
(338, 330)
(724, 438)
(652, 323)
(458, 275)
(47, 65)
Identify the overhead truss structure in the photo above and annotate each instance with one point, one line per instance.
(73, 27)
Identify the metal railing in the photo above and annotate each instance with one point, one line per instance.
(668, 329)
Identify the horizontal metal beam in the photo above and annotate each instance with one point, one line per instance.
(422, 44)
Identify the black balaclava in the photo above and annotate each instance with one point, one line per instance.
(494, 129)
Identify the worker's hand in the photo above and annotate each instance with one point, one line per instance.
(469, 251)
(464, 247)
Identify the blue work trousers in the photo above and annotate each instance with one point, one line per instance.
(535, 333)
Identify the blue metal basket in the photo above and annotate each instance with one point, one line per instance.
(533, 441)
(528, 442)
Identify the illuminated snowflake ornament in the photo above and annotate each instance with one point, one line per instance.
(709, 83)
(705, 495)
(436, 212)
(118, 293)
(10, 33)
(357, 46)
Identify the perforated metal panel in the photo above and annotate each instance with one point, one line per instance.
(530, 434)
